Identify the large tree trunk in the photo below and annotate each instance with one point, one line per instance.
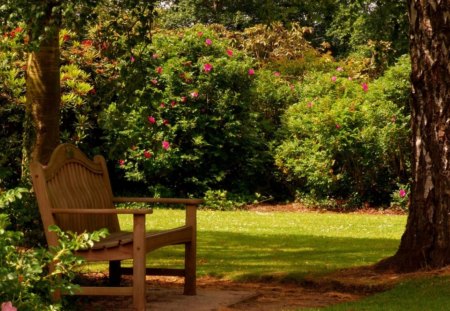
(426, 241)
(44, 96)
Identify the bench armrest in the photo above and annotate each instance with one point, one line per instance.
(158, 200)
(101, 211)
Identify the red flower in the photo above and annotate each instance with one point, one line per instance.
(402, 193)
(333, 78)
(230, 52)
(173, 103)
(121, 162)
(207, 67)
(147, 154)
(165, 144)
(86, 43)
(92, 91)
(66, 37)
(199, 33)
(151, 120)
(162, 105)
(159, 70)
(365, 87)
(183, 99)
(338, 126)
(208, 41)
(251, 72)
(166, 122)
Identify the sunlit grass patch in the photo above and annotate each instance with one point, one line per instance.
(243, 245)
(422, 294)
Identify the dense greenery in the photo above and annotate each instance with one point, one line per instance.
(346, 137)
(203, 110)
(343, 26)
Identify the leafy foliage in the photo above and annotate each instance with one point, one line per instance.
(346, 138)
(189, 117)
(24, 276)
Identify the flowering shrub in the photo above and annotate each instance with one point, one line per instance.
(192, 123)
(345, 138)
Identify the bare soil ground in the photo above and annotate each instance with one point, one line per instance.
(164, 293)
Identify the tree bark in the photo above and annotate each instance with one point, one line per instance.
(426, 240)
(44, 96)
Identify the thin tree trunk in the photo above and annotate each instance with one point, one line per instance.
(426, 241)
(44, 96)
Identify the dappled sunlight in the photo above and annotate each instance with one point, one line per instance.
(246, 245)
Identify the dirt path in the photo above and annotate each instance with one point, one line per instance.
(164, 293)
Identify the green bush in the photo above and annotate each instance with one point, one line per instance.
(346, 138)
(25, 280)
(191, 123)
(23, 214)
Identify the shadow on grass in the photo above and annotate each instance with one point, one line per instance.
(284, 257)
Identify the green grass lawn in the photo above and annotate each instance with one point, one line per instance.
(242, 245)
(428, 294)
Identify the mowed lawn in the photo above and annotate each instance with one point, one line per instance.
(247, 245)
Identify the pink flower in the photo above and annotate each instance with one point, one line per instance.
(207, 67)
(333, 78)
(365, 87)
(151, 119)
(402, 193)
(7, 306)
(132, 59)
(208, 41)
(154, 81)
(251, 72)
(340, 69)
(338, 126)
(147, 154)
(194, 94)
(350, 78)
(162, 105)
(159, 70)
(183, 99)
(276, 74)
(230, 52)
(310, 104)
(165, 144)
(155, 56)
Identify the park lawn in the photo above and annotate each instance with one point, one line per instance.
(432, 293)
(245, 245)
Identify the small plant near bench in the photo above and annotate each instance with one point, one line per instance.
(25, 281)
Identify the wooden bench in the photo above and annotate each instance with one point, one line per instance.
(74, 193)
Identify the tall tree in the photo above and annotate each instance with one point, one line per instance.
(426, 241)
(42, 21)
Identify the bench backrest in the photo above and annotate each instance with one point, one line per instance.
(71, 180)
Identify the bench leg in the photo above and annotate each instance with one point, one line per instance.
(190, 267)
(139, 300)
(115, 273)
